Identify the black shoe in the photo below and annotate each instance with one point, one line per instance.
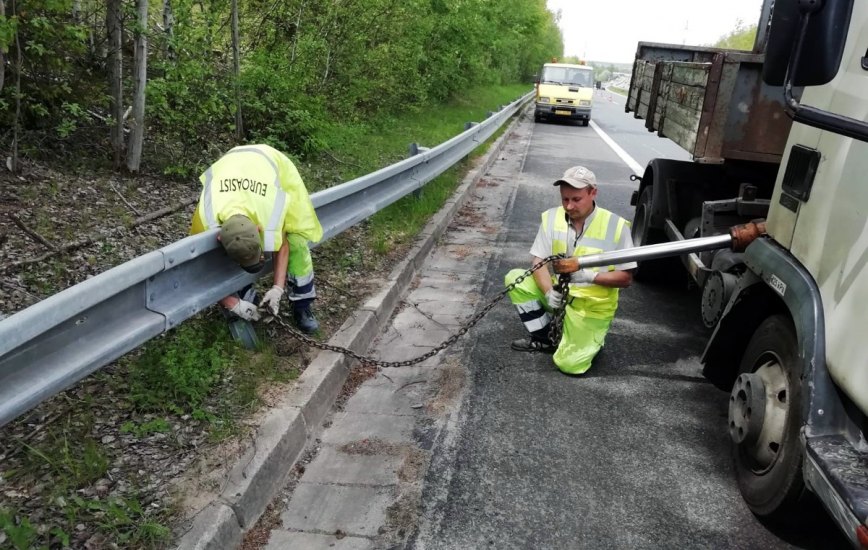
(305, 320)
(529, 344)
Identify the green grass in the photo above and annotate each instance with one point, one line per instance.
(617, 90)
(62, 463)
(198, 370)
(374, 146)
(366, 147)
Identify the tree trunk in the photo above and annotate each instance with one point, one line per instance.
(76, 10)
(114, 64)
(2, 53)
(141, 77)
(236, 62)
(169, 28)
(296, 33)
(16, 132)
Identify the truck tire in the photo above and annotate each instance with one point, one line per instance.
(643, 234)
(767, 455)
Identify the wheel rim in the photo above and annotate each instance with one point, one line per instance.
(763, 440)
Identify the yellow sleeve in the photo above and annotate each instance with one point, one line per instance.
(196, 226)
(301, 216)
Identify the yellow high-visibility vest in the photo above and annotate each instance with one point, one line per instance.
(602, 235)
(261, 183)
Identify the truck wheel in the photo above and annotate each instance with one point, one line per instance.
(586, 122)
(764, 421)
(643, 234)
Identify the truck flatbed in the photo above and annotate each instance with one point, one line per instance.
(710, 101)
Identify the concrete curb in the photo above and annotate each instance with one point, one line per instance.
(287, 428)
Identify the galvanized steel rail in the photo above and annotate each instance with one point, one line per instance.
(51, 345)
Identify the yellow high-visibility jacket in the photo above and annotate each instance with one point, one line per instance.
(263, 184)
(602, 235)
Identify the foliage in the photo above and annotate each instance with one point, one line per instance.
(123, 520)
(741, 38)
(306, 66)
(176, 373)
(198, 370)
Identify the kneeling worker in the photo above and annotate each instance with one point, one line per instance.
(255, 195)
(576, 228)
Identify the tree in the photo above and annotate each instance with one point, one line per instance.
(236, 73)
(114, 64)
(141, 81)
(4, 42)
(742, 38)
(17, 131)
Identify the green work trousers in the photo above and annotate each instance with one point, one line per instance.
(583, 336)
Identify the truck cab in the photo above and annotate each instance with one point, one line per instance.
(778, 133)
(564, 91)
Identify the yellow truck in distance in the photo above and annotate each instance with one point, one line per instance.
(564, 90)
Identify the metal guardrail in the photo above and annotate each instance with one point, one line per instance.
(53, 344)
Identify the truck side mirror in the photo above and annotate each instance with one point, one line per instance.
(822, 45)
(817, 41)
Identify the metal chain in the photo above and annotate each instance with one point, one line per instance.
(556, 326)
(364, 359)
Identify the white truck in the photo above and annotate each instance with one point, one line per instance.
(777, 133)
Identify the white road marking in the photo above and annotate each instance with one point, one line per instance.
(628, 160)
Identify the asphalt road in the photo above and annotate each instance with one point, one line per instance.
(630, 133)
(634, 454)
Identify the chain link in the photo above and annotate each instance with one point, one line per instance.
(364, 359)
(557, 324)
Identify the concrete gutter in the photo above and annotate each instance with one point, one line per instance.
(284, 433)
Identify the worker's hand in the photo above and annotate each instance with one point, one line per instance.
(583, 277)
(246, 310)
(566, 265)
(271, 300)
(554, 298)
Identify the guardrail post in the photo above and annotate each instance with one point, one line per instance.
(416, 149)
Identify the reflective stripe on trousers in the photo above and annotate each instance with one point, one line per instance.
(299, 273)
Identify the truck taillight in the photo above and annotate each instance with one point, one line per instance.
(862, 536)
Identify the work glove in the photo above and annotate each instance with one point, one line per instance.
(583, 277)
(271, 300)
(554, 298)
(246, 311)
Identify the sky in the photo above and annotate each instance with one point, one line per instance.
(608, 30)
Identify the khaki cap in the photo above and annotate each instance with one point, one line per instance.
(240, 239)
(578, 177)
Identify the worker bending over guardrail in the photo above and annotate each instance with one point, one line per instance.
(255, 195)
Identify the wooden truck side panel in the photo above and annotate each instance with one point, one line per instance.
(712, 102)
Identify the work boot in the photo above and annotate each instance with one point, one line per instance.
(532, 344)
(305, 320)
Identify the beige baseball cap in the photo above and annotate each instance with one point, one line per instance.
(578, 177)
